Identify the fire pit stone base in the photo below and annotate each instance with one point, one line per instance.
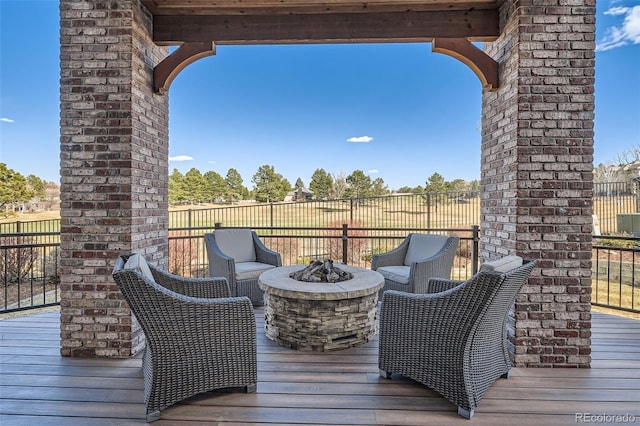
(320, 316)
(320, 325)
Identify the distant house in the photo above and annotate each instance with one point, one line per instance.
(299, 194)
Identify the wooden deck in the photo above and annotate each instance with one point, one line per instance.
(38, 386)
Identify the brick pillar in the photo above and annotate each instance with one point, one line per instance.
(536, 173)
(114, 168)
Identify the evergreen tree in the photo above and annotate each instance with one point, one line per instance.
(235, 189)
(299, 184)
(13, 187)
(36, 185)
(457, 185)
(435, 184)
(177, 189)
(216, 186)
(378, 187)
(268, 185)
(321, 184)
(196, 186)
(359, 185)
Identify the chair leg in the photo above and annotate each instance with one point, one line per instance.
(152, 417)
(251, 388)
(385, 374)
(463, 412)
(506, 375)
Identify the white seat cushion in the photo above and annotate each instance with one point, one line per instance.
(504, 264)
(250, 270)
(423, 246)
(136, 261)
(237, 244)
(399, 274)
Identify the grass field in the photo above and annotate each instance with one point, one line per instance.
(387, 212)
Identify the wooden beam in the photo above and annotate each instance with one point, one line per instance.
(407, 26)
(168, 69)
(484, 66)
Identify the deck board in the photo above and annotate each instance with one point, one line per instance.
(38, 386)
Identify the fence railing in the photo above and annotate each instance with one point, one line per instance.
(616, 273)
(424, 211)
(30, 269)
(29, 251)
(30, 277)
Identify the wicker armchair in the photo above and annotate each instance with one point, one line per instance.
(239, 256)
(418, 258)
(454, 341)
(197, 338)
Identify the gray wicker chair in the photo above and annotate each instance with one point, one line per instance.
(240, 257)
(454, 341)
(418, 258)
(197, 337)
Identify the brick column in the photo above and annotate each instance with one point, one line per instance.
(536, 173)
(114, 168)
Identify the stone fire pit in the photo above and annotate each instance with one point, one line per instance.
(320, 316)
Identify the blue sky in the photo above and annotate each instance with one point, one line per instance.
(395, 111)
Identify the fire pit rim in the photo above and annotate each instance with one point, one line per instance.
(277, 281)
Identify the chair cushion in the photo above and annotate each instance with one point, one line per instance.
(136, 261)
(250, 270)
(423, 246)
(399, 274)
(237, 244)
(504, 264)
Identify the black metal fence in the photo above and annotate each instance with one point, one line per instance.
(350, 230)
(611, 200)
(401, 211)
(616, 273)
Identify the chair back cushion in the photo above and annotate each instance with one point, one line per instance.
(422, 246)
(236, 243)
(504, 264)
(136, 261)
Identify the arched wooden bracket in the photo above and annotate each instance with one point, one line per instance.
(463, 50)
(170, 67)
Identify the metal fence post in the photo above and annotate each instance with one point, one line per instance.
(351, 209)
(345, 242)
(475, 246)
(428, 210)
(271, 216)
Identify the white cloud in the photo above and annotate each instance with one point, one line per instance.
(373, 171)
(181, 158)
(6, 120)
(628, 32)
(364, 139)
(618, 10)
(211, 162)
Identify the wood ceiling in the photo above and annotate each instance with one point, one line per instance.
(321, 21)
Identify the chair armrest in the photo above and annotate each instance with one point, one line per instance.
(264, 254)
(210, 287)
(423, 321)
(393, 257)
(223, 324)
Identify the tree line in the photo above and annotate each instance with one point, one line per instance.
(194, 187)
(19, 193)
